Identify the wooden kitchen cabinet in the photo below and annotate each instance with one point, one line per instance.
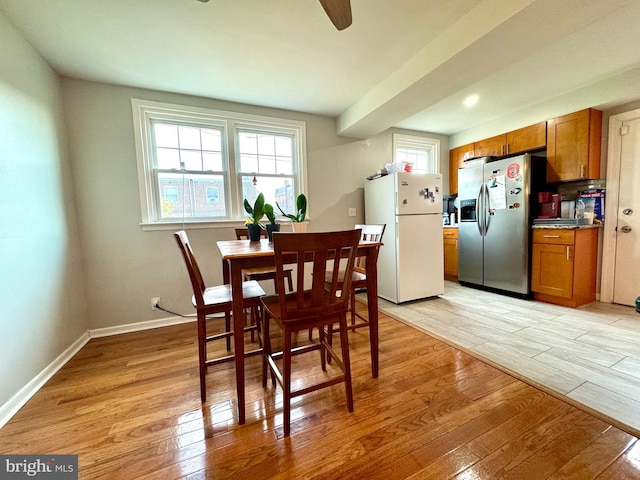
(527, 139)
(457, 156)
(491, 147)
(573, 146)
(563, 265)
(450, 238)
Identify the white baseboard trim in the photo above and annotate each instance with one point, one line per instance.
(15, 403)
(137, 327)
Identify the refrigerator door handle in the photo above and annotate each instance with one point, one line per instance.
(487, 212)
(480, 212)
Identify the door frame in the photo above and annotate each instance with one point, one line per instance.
(609, 243)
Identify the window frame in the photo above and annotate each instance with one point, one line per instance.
(145, 112)
(415, 142)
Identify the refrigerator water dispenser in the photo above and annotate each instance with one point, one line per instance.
(468, 210)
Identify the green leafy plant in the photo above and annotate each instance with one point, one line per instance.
(257, 212)
(301, 207)
(268, 211)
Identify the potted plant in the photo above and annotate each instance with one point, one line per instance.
(255, 216)
(273, 225)
(298, 218)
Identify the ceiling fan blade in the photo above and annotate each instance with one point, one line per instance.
(339, 11)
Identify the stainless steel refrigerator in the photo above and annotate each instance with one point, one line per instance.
(494, 227)
(411, 261)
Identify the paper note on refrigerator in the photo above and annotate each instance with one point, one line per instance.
(497, 192)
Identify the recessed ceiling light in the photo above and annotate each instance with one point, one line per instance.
(471, 100)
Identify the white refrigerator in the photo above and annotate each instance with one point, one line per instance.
(411, 261)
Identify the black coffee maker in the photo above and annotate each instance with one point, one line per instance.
(449, 208)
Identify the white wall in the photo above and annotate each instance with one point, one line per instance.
(42, 310)
(126, 266)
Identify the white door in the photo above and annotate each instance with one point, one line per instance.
(626, 285)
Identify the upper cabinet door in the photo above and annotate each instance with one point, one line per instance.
(491, 147)
(533, 137)
(457, 156)
(573, 146)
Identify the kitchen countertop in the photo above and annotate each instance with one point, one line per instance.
(566, 227)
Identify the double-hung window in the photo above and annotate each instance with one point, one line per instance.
(197, 165)
(422, 153)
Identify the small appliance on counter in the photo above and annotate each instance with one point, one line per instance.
(450, 210)
(549, 205)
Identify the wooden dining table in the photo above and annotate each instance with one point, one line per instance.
(238, 255)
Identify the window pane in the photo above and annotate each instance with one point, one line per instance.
(267, 165)
(166, 135)
(284, 147)
(211, 140)
(266, 145)
(265, 153)
(212, 161)
(192, 159)
(248, 163)
(190, 196)
(167, 158)
(279, 190)
(189, 137)
(247, 142)
(284, 167)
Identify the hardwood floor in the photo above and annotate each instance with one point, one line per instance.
(590, 356)
(129, 406)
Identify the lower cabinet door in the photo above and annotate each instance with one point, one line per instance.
(552, 269)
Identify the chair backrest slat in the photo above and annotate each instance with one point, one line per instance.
(318, 253)
(371, 233)
(197, 282)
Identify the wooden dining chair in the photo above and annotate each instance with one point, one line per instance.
(371, 233)
(320, 306)
(216, 300)
(261, 273)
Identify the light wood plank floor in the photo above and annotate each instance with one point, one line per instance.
(590, 355)
(129, 406)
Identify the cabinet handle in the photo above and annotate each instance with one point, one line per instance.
(568, 253)
(583, 170)
(448, 233)
(507, 149)
(550, 236)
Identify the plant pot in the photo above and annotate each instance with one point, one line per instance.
(254, 232)
(299, 227)
(272, 227)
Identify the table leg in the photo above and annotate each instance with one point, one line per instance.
(238, 336)
(372, 306)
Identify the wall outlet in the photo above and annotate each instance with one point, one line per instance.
(352, 212)
(155, 301)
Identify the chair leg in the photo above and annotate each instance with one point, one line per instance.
(324, 354)
(266, 348)
(227, 326)
(202, 355)
(353, 308)
(286, 397)
(344, 343)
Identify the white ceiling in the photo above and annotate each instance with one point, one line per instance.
(404, 63)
